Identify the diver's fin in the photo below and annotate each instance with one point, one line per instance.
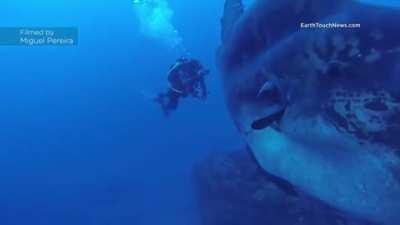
(233, 10)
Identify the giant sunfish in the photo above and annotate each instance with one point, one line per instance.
(313, 86)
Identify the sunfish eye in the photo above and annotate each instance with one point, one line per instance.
(271, 98)
(269, 91)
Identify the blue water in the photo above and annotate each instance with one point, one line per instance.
(80, 141)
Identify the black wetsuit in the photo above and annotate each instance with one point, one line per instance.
(185, 78)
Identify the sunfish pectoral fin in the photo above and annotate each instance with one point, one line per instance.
(270, 120)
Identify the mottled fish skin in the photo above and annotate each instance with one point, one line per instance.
(252, 37)
(339, 136)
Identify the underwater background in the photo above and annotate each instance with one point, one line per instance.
(82, 143)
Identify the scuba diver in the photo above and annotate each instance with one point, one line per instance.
(185, 78)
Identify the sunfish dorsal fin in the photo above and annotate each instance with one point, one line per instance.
(233, 10)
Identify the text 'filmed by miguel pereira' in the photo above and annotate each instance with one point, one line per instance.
(38, 36)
